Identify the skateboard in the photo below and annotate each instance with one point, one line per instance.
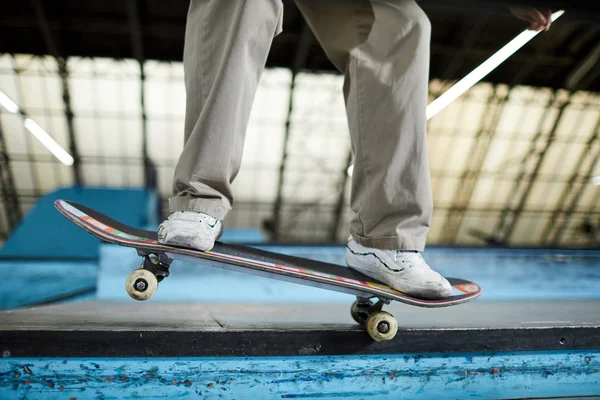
(143, 282)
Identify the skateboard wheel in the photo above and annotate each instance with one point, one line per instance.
(141, 284)
(382, 326)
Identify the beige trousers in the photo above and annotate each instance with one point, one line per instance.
(381, 47)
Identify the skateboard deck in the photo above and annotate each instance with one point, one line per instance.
(157, 259)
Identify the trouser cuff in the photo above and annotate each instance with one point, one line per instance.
(213, 207)
(406, 243)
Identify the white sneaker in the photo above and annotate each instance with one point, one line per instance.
(405, 271)
(190, 229)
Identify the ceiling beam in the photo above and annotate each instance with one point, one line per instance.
(55, 51)
(338, 211)
(522, 188)
(135, 30)
(174, 34)
(461, 52)
(302, 52)
(480, 149)
(137, 46)
(35, 179)
(584, 67)
(10, 197)
(578, 183)
(470, 177)
(449, 73)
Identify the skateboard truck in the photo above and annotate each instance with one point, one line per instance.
(380, 325)
(363, 307)
(158, 263)
(142, 283)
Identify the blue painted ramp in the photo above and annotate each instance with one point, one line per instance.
(47, 258)
(45, 234)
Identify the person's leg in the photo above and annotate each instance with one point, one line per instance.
(226, 47)
(382, 47)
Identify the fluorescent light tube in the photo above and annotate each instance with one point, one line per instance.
(481, 71)
(48, 142)
(7, 103)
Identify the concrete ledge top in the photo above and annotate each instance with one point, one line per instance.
(112, 329)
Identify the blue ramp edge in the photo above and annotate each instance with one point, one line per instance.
(45, 234)
(408, 376)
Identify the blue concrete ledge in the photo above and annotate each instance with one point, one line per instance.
(407, 376)
(104, 350)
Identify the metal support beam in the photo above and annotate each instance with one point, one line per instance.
(470, 177)
(594, 216)
(460, 53)
(55, 51)
(522, 187)
(572, 193)
(299, 62)
(10, 198)
(588, 64)
(339, 207)
(456, 60)
(35, 178)
(137, 46)
(480, 149)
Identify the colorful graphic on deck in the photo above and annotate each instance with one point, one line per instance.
(468, 288)
(92, 225)
(108, 230)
